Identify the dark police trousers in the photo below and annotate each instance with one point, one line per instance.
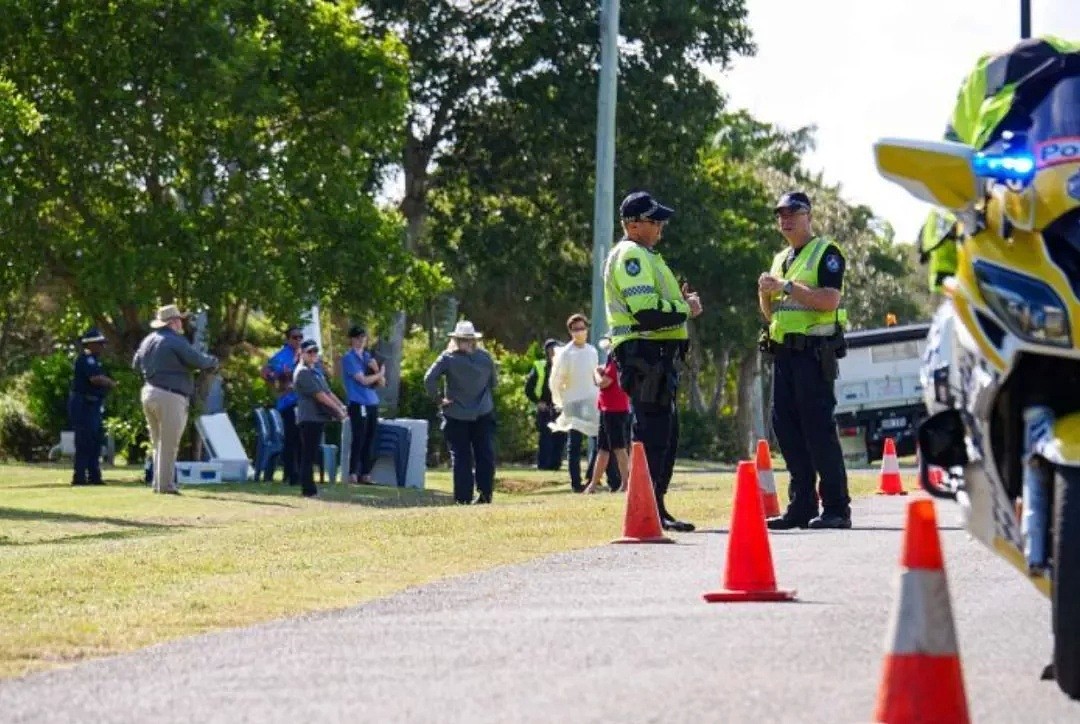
(84, 415)
(802, 418)
(656, 425)
(549, 452)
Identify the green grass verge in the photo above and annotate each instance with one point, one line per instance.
(99, 570)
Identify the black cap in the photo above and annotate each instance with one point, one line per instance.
(549, 343)
(793, 200)
(357, 331)
(309, 345)
(92, 335)
(640, 206)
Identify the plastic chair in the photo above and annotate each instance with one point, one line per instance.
(267, 445)
(394, 440)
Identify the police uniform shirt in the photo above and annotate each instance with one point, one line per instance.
(830, 268)
(88, 366)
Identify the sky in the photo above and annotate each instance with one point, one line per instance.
(861, 70)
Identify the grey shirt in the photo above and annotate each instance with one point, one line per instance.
(470, 380)
(308, 381)
(165, 359)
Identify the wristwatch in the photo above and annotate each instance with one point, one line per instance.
(788, 286)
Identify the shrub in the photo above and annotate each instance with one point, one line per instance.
(20, 438)
(47, 384)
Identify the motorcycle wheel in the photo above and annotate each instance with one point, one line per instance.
(1066, 581)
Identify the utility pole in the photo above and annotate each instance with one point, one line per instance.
(604, 200)
(1025, 19)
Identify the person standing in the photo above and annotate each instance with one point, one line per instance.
(86, 400)
(573, 392)
(278, 371)
(361, 374)
(463, 380)
(316, 405)
(550, 447)
(647, 312)
(800, 297)
(165, 359)
(613, 440)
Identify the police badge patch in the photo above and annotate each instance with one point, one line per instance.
(832, 263)
(1072, 186)
(633, 267)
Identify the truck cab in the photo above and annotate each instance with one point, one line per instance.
(878, 391)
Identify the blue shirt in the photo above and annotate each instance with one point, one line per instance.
(282, 366)
(87, 366)
(359, 393)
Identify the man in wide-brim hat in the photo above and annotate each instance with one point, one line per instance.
(165, 360)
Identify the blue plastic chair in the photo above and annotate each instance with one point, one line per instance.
(394, 441)
(267, 445)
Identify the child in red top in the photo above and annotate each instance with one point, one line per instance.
(614, 434)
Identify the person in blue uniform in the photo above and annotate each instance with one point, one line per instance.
(279, 373)
(86, 401)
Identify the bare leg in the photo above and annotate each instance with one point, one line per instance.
(622, 459)
(598, 470)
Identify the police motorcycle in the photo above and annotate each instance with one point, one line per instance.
(1001, 374)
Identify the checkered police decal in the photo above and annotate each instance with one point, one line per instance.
(832, 263)
(633, 267)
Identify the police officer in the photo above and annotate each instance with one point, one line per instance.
(86, 401)
(646, 315)
(551, 443)
(800, 297)
(937, 246)
(278, 371)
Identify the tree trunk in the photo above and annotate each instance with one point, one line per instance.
(751, 411)
(719, 395)
(693, 364)
(414, 207)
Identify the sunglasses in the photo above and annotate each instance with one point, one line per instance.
(297, 336)
(311, 351)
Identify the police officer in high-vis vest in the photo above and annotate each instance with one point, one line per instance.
(551, 443)
(86, 400)
(937, 246)
(646, 315)
(800, 297)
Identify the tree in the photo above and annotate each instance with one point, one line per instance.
(511, 85)
(220, 153)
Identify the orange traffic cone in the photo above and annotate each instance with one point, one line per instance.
(890, 471)
(749, 574)
(922, 679)
(766, 480)
(641, 524)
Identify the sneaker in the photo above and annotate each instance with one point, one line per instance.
(483, 500)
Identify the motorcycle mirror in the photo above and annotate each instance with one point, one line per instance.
(939, 172)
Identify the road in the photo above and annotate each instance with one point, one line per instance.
(611, 634)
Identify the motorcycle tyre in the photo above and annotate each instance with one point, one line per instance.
(1065, 600)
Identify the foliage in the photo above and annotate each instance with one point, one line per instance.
(20, 437)
(215, 153)
(47, 385)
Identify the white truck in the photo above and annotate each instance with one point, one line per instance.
(878, 391)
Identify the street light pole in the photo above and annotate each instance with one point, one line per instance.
(1025, 19)
(604, 199)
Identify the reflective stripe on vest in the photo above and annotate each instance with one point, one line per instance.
(620, 320)
(791, 317)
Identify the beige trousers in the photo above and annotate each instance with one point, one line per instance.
(166, 416)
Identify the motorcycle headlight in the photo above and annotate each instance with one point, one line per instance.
(1029, 307)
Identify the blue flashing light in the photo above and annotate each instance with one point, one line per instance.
(1015, 166)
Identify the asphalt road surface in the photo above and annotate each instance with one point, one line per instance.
(612, 634)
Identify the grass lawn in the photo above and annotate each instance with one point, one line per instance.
(98, 570)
